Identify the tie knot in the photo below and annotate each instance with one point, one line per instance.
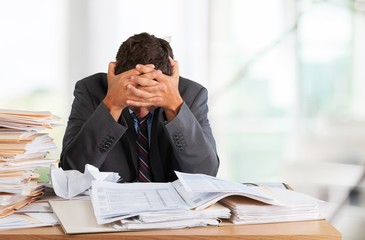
(144, 119)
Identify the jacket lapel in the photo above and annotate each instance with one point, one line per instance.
(155, 158)
(130, 142)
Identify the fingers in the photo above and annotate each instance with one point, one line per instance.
(146, 103)
(146, 80)
(175, 73)
(145, 68)
(142, 93)
(175, 67)
(126, 74)
(144, 96)
(172, 61)
(111, 68)
(140, 69)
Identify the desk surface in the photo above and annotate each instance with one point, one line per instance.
(274, 231)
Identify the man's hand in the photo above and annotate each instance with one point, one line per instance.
(165, 95)
(144, 89)
(121, 88)
(169, 91)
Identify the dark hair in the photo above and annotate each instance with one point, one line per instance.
(144, 48)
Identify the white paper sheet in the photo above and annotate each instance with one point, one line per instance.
(200, 191)
(36, 207)
(70, 183)
(17, 221)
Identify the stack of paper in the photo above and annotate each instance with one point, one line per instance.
(133, 206)
(27, 120)
(249, 203)
(190, 199)
(293, 207)
(37, 214)
(174, 219)
(9, 202)
(30, 220)
(23, 149)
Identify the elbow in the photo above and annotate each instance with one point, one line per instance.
(215, 166)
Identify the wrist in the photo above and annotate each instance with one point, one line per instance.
(172, 111)
(114, 111)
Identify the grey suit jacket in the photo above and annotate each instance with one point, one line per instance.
(92, 135)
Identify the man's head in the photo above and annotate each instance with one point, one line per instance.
(144, 48)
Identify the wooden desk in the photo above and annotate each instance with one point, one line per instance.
(289, 231)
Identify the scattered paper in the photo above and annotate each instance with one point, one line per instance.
(17, 221)
(46, 218)
(70, 183)
(36, 207)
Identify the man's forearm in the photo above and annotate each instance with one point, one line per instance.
(194, 145)
(89, 142)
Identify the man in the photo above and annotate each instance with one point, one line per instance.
(143, 85)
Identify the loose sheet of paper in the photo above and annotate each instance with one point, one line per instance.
(64, 181)
(200, 191)
(31, 220)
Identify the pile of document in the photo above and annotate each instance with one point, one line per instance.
(293, 207)
(174, 219)
(190, 201)
(196, 200)
(136, 206)
(23, 149)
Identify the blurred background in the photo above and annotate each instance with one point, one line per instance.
(286, 86)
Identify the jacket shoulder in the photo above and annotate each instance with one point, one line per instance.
(94, 79)
(187, 83)
(189, 89)
(95, 85)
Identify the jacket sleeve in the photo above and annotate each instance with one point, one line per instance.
(191, 137)
(91, 132)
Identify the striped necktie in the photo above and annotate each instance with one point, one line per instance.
(143, 151)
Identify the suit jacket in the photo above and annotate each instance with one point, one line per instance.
(92, 135)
